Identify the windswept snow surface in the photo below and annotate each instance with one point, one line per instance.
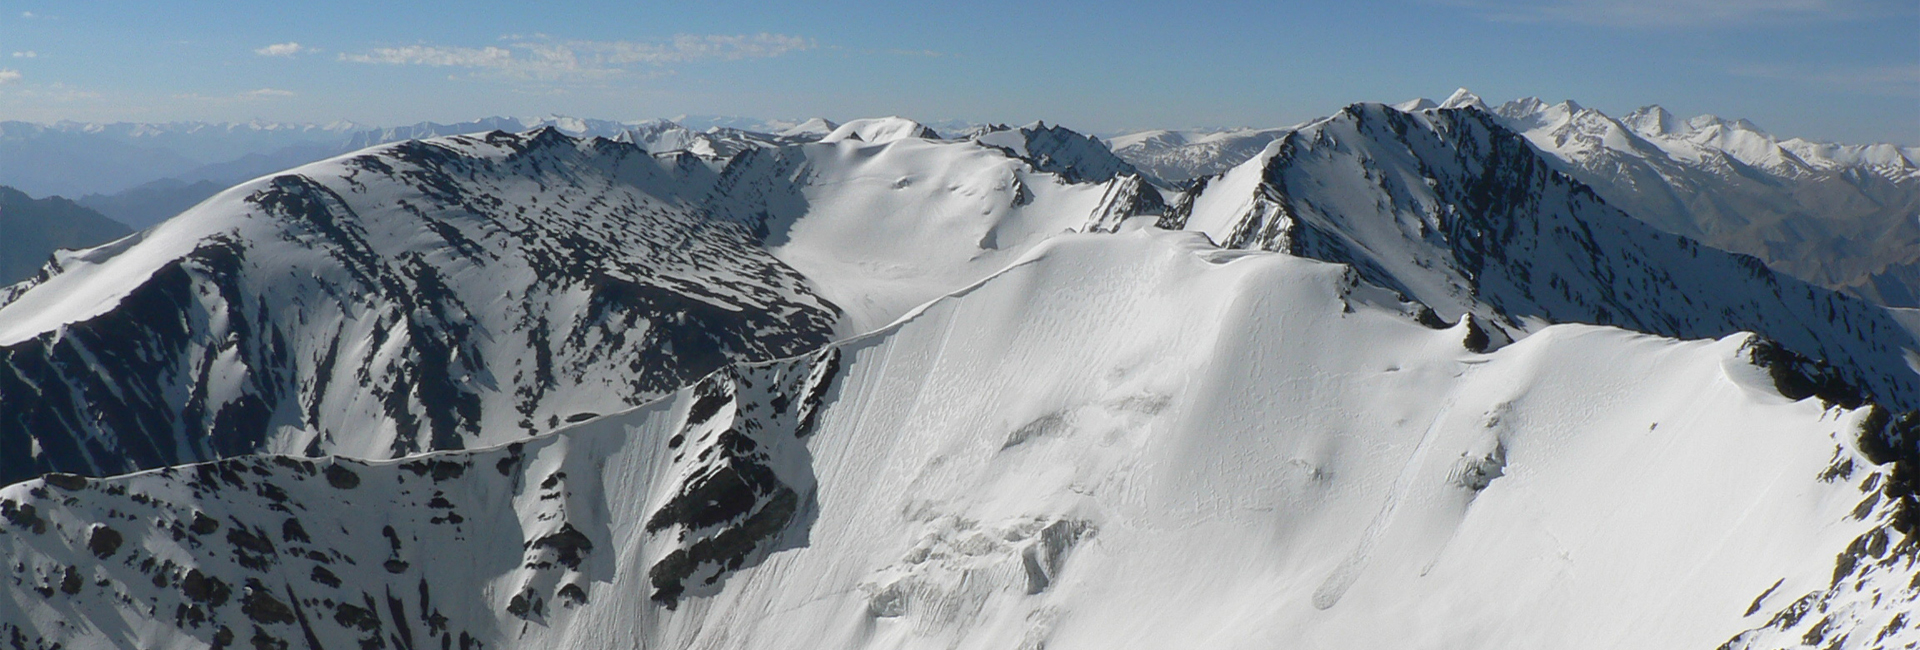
(1121, 441)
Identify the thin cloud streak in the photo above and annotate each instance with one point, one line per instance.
(1885, 81)
(281, 49)
(1664, 14)
(538, 58)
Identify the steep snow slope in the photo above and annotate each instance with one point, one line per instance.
(475, 289)
(1132, 441)
(1846, 217)
(1450, 208)
(884, 228)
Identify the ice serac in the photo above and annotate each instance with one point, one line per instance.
(1841, 216)
(1451, 208)
(1120, 441)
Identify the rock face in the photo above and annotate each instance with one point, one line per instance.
(1448, 207)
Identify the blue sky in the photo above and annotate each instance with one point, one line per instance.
(1846, 70)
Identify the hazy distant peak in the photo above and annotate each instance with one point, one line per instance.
(1411, 105)
(813, 127)
(1653, 120)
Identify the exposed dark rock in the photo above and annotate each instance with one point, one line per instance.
(569, 545)
(103, 540)
(65, 481)
(341, 477)
(257, 603)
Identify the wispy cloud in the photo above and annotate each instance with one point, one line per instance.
(261, 94)
(9, 76)
(541, 58)
(1883, 80)
(1664, 13)
(29, 54)
(282, 49)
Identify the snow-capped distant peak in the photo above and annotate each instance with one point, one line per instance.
(1653, 120)
(1463, 98)
(881, 130)
(1412, 105)
(816, 126)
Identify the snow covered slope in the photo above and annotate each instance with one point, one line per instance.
(1452, 209)
(1842, 216)
(1122, 441)
(473, 290)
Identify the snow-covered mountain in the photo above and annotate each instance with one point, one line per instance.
(141, 174)
(1842, 216)
(472, 290)
(1396, 380)
(1450, 208)
(1181, 156)
(1131, 441)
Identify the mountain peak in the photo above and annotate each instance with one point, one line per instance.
(1411, 105)
(817, 126)
(881, 130)
(1653, 120)
(1463, 98)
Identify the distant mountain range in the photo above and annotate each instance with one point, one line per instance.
(32, 229)
(1841, 216)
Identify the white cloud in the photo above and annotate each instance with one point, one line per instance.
(464, 57)
(281, 49)
(244, 96)
(29, 54)
(1663, 13)
(538, 57)
(27, 14)
(9, 76)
